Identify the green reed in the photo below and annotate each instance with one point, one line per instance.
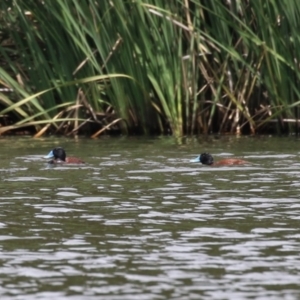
(188, 66)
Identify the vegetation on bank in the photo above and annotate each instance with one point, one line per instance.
(155, 66)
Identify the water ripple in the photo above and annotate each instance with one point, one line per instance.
(141, 222)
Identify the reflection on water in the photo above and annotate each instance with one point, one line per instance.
(139, 221)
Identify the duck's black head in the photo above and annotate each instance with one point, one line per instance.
(57, 153)
(204, 158)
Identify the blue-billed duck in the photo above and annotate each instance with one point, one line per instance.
(58, 155)
(207, 159)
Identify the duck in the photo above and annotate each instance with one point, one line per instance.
(207, 159)
(59, 155)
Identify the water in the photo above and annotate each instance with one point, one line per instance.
(139, 221)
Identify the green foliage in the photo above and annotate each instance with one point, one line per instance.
(189, 66)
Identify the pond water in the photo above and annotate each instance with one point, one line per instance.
(139, 221)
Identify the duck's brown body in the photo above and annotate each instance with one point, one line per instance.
(68, 160)
(230, 162)
(74, 160)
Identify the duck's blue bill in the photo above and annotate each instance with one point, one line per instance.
(197, 159)
(50, 155)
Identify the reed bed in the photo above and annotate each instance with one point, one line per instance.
(149, 67)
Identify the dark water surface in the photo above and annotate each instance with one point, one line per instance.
(139, 221)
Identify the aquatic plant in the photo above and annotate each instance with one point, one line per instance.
(178, 66)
